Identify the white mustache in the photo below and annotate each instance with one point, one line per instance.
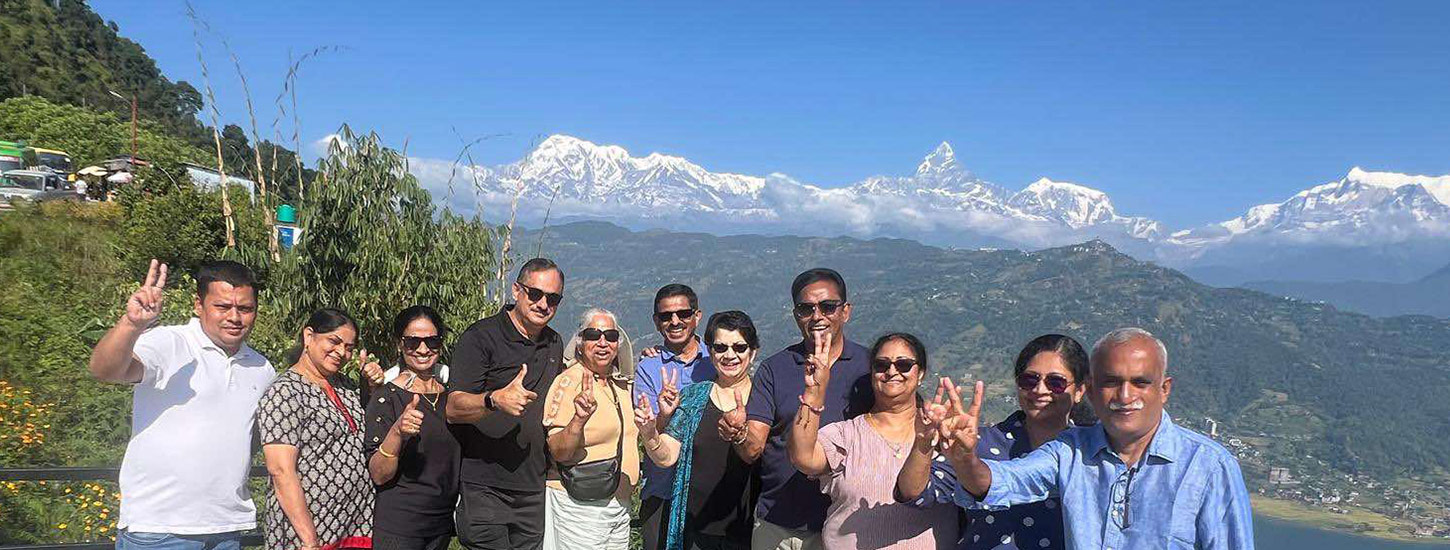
(1129, 407)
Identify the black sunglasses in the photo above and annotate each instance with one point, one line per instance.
(433, 342)
(667, 316)
(739, 347)
(903, 365)
(1056, 383)
(535, 294)
(827, 307)
(592, 334)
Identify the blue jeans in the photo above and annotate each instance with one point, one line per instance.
(127, 540)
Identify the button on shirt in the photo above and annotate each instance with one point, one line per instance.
(504, 451)
(1034, 525)
(648, 381)
(1187, 492)
(787, 497)
(186, 466)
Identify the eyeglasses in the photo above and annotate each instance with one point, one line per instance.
(433, 342)
(592, 334)
(903, 365)
(827, 308)
(535, 294)
(739, 347)
(1056, 383)
(667, 316)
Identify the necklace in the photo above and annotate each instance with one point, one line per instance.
(897, 448)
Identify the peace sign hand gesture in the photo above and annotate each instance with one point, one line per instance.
(584, 404)
(731, 426)
(818, 363)
(958, 431)
(929, 417)
(644, 419)
(144, 305)
(670, 394)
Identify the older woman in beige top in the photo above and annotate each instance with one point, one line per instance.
(588, 417)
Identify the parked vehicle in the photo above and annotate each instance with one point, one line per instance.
(12, 156)
(56, 160)
(36, 186)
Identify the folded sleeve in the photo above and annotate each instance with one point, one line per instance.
(1022, 480)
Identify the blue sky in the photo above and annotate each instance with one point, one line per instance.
(1186, 112)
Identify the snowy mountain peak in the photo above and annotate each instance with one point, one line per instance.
(1070, 203)
(941, 162)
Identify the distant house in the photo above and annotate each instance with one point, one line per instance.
(207, 178)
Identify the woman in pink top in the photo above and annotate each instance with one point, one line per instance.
(856, 460)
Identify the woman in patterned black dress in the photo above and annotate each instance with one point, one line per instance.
(1049, 372)
(310, 422)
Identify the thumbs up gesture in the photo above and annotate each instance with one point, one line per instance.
(372, 371)
(512, 399)
(410, 422)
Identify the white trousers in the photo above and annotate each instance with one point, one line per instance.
(593, 525)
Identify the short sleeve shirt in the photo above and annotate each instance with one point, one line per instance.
(614, 411)
(186, 465)
(420, 499)
(330, 461)
(861, 482)
(787, 498)
(504, 451)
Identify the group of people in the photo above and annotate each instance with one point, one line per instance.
(533, 439)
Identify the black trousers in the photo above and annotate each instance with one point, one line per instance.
(654, 513)
(490, 518)
(383, 540)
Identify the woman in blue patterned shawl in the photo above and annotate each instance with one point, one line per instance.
(714, 491)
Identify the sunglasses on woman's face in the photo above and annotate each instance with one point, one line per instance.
(739, 347)
(592, 334)
(903, 365)
(1056, 383)
(434, 342)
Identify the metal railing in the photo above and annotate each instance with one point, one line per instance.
(251, 538)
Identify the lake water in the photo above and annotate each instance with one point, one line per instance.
(1281, 535)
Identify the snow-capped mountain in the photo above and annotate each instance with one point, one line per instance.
(605, 180)
(1362, 207)
(1361, 226)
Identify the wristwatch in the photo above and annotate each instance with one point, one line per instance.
(488, 402)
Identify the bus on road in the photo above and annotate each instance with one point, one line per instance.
(12, 156)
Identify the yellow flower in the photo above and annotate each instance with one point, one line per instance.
(60, 526)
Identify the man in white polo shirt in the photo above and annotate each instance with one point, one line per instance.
(184, 478)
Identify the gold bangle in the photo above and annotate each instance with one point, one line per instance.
(386, 454)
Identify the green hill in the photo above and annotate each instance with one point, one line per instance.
(1361, 393)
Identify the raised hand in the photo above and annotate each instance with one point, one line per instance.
(818, 363)
(512, 399)
(371, 370)
(670, 394)
(144, 305)
(958, 431)
(644, 419)
(732, 423)
(410, 422)
(584, 404)
(929, 418)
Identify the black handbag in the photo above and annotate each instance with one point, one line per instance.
(596, 479)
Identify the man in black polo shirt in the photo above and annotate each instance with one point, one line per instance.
(501, 365)
(791, 508)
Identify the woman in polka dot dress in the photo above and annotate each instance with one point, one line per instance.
(1049, 373)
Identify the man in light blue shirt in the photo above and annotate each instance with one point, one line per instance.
(1134, 481)
(666, 370)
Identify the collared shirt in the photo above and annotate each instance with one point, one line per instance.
(648, 381)
(1187, 492)
(1033, 525)
(504, 451)
(186, 466)
(787, 497)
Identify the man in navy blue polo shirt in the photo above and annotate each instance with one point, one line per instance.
(660, 377)
(792, 508)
